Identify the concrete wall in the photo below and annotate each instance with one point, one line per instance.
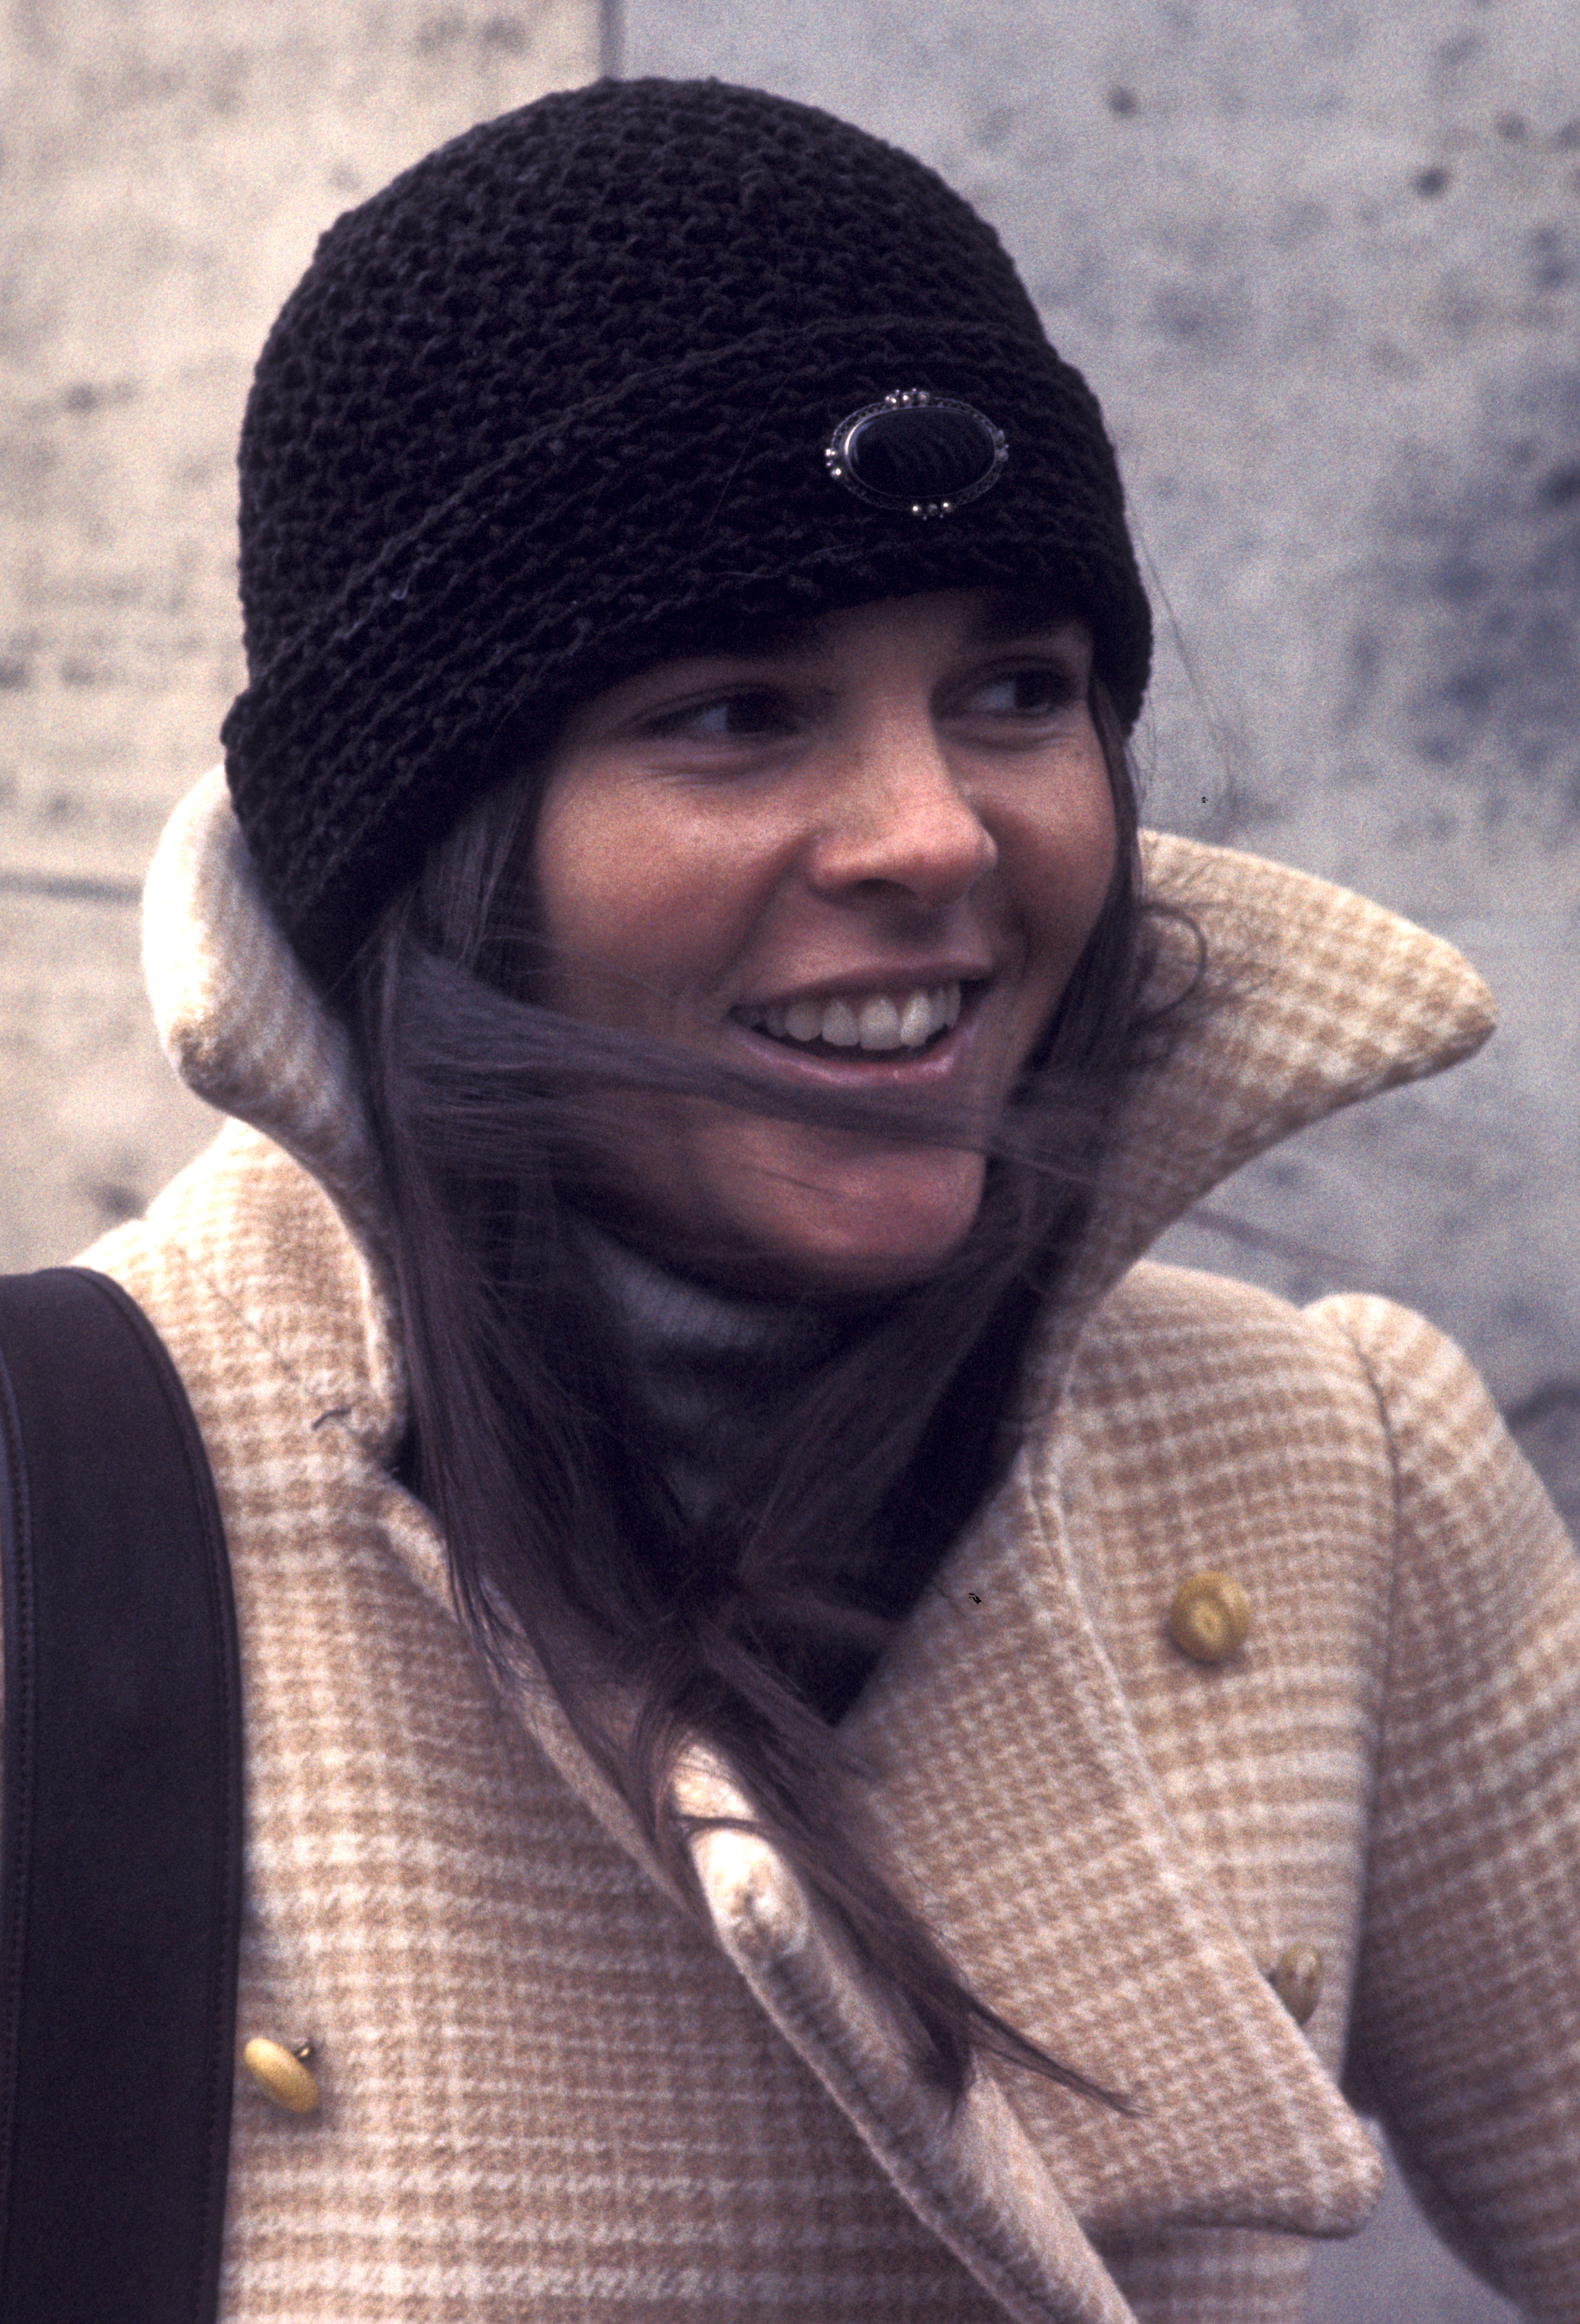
(1321, 263)
(165, 168)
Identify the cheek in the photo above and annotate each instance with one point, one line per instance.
(640, 896)
(579, 894)
(611, 898)
(1096, 852)
(1071, 853)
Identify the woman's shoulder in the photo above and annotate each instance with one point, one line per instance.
(1158, 1311)
(248, 1272)
(1187, 1375)
(1350, 1416)
(243, 1211)
(1161, 1320)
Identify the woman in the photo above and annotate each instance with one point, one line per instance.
(820, 1742)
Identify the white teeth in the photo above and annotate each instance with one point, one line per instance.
(880, 1024)
(916, 1022)
(882, 1021)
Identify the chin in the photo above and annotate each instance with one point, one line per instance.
(875, 1227)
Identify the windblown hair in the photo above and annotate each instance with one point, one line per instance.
(572, 1559)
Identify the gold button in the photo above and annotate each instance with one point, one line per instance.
(1209, 1617)
(282, 2074)
(1297, 1980)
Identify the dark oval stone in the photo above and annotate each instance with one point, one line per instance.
(921, 451)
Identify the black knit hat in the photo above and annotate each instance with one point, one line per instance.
(559, 404)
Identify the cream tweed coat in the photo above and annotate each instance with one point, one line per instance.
(550, 2097)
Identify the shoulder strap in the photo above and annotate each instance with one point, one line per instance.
(120, 1869)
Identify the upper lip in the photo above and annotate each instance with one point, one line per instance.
(909, 976)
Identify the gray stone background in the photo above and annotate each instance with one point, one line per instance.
(1321, 263)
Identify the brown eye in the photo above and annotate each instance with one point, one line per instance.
(1035, 692)
(750, 714)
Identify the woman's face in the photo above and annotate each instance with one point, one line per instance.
(865, 855)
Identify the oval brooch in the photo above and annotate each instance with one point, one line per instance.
(924, 453)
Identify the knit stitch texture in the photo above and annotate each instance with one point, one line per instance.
(552, 407)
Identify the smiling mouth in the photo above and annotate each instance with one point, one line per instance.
(908, 1018)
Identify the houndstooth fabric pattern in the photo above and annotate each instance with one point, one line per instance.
(549, 2096)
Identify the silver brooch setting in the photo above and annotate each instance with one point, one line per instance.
(928, 455)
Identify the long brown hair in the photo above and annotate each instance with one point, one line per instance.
(568, 1549)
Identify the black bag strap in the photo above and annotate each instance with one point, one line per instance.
(120, 1865)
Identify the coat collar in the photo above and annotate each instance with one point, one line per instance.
(1318, 1000)
(1313, 999)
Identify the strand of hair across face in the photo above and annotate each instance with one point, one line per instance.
(569, 1554)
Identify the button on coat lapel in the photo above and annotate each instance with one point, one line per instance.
(1042, 1850)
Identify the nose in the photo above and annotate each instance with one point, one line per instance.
(895, 819)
